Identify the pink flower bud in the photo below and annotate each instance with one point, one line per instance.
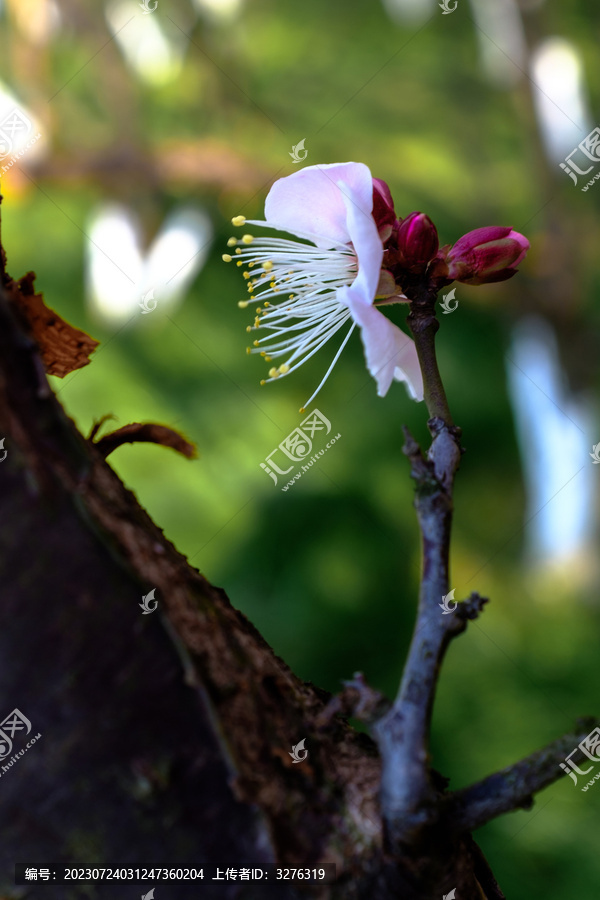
(417, 241)
(383, 208)
(486, 255)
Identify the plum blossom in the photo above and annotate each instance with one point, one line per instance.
(308, 292)
(353, 256)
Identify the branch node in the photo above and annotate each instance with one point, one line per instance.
(356, 699)
(445, 451)
(472, 606)
(421, 470)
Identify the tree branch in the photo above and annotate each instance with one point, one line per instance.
(408, 795)
(424, 326)
(412, 803)
(513, 788)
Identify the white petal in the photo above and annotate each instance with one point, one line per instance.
(390, 354)
(310, 201)
(366, 242)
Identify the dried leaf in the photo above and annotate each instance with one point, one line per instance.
(63, 348)
(145, 432)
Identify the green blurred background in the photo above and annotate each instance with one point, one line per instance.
(328, 571)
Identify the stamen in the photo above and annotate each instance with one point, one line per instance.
(328, 372)
(311, 315)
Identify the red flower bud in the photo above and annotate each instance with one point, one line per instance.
(383, 209)
(486, 255)
(417, 241)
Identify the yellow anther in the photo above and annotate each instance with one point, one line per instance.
(267, 358)
(250, 287)
(257, 322)
(250, 265)
(284, 369)
(258, 309)
(262, 381)
(238, 220)
(267, 265)
(262, 353)
(246, 274)
(232, 242)
(267, 303)
(256, 343)
(301, 410)
(226, 257)
(248, 327)
(239, 263)
(273, 373)
(291, 297)
(238, 250)
(272, 285)
(243, 304)
(248, 238)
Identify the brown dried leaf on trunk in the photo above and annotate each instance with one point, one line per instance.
(63, 348)
(144, 432)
